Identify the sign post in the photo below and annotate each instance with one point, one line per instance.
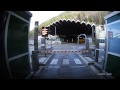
(45, 34)
(36, 36)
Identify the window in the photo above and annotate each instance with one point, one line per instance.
(114, 37)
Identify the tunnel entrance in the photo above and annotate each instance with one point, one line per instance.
(64, 57)
(82, 38)
(69, 30)
(68, 39)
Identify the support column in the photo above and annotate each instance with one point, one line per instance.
(36, 36)
(78, 40)
(35, 61)
(93, 29)
(97, 51)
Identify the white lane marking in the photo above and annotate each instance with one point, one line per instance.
(54, 67)
(89, 59)
(77, 61)
(42, 60)
(54, 61)
(66, 61)
(77, 66)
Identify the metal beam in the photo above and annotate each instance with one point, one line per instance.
(6, 50)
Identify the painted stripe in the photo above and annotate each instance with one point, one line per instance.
(42, 60)
(66, 61)
(78, 66)
(62, 51)
(54, 61)
(54, 67)
(77, 61)
(89, 59)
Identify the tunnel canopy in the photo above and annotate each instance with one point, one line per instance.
(70, 27)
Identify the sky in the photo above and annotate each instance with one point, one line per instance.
(42, 16)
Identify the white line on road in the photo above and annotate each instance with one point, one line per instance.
(54, 61)
(42, 60)
(66, 61)
(77, 61)
(54, 67)
(77, 66)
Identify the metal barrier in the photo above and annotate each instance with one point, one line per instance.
(61, 51)
(97, 53)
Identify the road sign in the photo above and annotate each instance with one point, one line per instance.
(44, 31)
(110, 33)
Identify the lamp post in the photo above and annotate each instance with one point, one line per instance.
(55, 30)
(55, 34)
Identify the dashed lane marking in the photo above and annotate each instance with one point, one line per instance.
(54, 61)
(66, 61)
(77, 61)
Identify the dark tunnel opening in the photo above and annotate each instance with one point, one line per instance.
(68, 30)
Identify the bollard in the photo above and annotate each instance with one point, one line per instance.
(43, 43)
(35, 61)
(87, 43)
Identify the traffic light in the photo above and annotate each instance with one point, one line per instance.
(44, 31)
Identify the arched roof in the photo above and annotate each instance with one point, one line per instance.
(70, 27)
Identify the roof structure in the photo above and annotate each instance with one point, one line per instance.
(70, 27)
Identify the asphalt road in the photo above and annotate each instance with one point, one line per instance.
(67, 66)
